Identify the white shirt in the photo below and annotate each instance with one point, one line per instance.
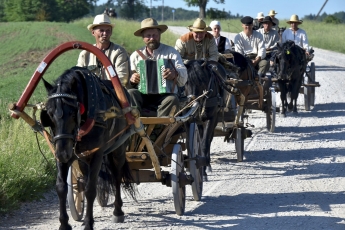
(299, 37)
(227, 43)
(270, 39)
(250, 45)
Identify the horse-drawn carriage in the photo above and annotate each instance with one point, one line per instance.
(294, 73)
(93, 129)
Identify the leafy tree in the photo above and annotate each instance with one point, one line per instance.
(45, 10)
(332, 20)
(202, 5)
(217, 14)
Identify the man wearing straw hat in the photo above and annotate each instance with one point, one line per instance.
(257, 23)
(102, 29)
(251, 44)
(272, 14)
(296, 34)
(198, 43)
(175, 72)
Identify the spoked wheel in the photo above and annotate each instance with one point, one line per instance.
(312, 79)
(179, 192)
(194, 151)
(271, 110)
(75, 193)
(239, 144)
(309, 91)
(103, 186)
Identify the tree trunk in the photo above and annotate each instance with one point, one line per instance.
(202, 9)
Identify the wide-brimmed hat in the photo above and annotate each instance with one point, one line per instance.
(199, 25)
(101, 19)
(268, 19)
(215, 23)
(260, 15)
(294, 18)
(150, 23)
(272, 12)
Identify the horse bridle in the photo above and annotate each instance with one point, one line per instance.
(62, 96)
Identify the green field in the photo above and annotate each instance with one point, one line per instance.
(24, 173)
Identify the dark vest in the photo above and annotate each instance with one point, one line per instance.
(221, 44)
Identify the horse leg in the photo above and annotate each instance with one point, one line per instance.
(61, 189)
(117, 171)
(91, 188)
(283, 92)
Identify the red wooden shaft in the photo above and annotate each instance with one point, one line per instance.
(36, 77)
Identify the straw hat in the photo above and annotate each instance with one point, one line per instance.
(150, 23)
(101, 19)
(260, 15)
(272, 12)
(294, 18)
(199, 26)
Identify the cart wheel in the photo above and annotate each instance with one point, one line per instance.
(271, 111)
(179, 192)
(307, 93)
(312, 79)
(75, 195)
(103, 186)
(195, 150)
(239, 144)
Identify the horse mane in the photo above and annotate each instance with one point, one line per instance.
(239, 60)
(196, 73)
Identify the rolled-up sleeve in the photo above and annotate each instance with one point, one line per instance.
(181, 69)
(180, 47)
(81, 59)
(239, 44)
(213, 51)
(121, 64)
(261, 46)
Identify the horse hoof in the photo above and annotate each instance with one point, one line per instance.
(204, 178)
(68, 227)
(118, 219)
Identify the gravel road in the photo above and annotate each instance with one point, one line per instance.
(291, 179)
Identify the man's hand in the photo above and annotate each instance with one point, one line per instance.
(169, 74)
(256, 61)
(135, 78)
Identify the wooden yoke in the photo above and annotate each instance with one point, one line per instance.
(43, 66)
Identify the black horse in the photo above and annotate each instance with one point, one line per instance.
(75, 112)
(206, 76)
(291, 62)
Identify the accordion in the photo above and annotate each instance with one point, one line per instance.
(151, 76)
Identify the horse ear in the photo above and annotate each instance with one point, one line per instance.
(48, 86)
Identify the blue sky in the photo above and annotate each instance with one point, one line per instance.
(285, 8)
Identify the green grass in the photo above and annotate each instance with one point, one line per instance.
(24, 173)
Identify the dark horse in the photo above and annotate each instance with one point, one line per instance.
(206, 76)
(291, 62)
(78, 97)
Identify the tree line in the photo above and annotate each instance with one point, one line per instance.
(69, 10)
(336, 18)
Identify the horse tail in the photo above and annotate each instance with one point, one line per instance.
(112, 174)
(127, 181)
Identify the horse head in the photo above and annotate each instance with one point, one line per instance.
(63, 113)
(286, 59)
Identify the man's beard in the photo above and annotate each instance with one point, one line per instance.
(153, 45)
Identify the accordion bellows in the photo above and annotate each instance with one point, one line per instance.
(151, 76)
